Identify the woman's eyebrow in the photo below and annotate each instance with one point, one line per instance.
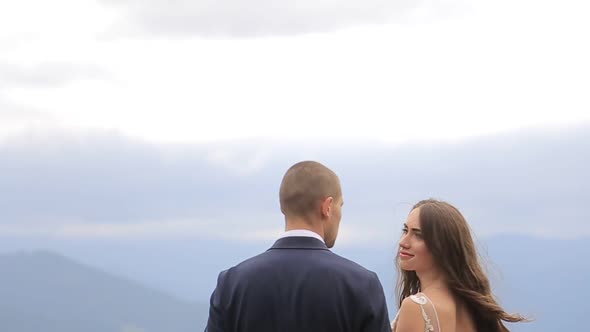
(413, 229)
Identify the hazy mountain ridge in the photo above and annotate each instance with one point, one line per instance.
(44, 291)
(537, 277)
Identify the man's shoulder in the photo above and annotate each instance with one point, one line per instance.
(248, 262)
(350, 265)
(325, 259)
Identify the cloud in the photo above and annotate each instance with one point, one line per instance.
(225, 18)
(239, 161)
(105, 178)
(16, 119)
(77, 185)
(235, 230)
(13, 114)
(47, 74)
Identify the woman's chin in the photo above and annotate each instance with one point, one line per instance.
(406, 267)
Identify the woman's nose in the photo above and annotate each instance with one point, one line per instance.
(403, 242)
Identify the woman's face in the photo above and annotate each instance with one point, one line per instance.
(413, 253)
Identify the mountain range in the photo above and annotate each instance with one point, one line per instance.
(46, 291)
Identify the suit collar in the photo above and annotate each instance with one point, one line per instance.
(299, 242)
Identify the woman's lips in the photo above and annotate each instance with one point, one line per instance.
(403, 254)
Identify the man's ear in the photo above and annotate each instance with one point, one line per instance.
(327, 206)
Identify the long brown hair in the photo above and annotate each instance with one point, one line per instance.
(448, 237)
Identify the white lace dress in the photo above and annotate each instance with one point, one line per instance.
(431, 323)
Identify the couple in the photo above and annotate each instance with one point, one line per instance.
(299, 285)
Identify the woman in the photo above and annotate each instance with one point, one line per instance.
(441, 284)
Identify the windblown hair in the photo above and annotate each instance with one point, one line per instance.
(304, 185)
(448, 237)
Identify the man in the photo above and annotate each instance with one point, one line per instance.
(299, 285)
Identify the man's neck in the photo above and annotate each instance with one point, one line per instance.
(294, 224)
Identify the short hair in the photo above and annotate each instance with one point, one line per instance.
(304, 185)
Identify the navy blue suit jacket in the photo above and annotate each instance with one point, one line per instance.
(298, 285)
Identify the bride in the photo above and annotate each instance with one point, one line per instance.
(441, 284)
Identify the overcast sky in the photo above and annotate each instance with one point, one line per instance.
(93, 91)
(194, 71)
(102, 185)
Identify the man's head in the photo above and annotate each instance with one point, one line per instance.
(310, 192)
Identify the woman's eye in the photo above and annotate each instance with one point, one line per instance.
(404, 230)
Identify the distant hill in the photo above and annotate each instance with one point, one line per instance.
(45, 292)
(540, 277)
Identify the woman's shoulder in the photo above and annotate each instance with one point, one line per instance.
(440, 301)
(417, 313)
(419, 298)
(409, 317)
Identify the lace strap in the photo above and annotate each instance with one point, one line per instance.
(428, 312)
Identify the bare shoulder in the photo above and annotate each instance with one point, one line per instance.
(410, 317)
(444, 304)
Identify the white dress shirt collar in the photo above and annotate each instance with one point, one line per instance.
(301, 232)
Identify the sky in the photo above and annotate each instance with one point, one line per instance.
(99, 186)
(118, 116)
(204, 71)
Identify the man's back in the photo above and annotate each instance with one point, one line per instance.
(298, 285)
